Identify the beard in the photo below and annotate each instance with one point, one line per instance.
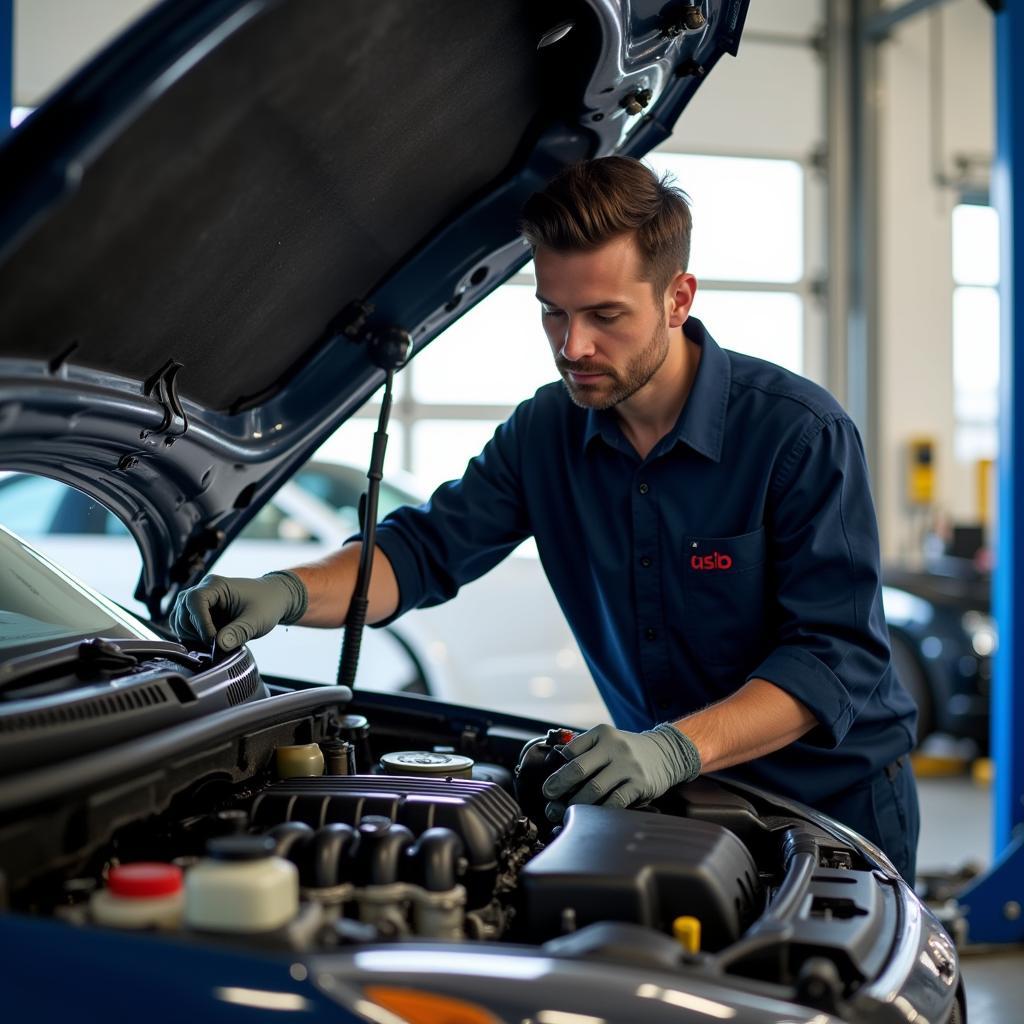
(616, 386)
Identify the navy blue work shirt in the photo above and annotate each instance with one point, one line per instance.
(744, 545)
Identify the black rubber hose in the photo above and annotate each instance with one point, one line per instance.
(766, 935)
(329, 855)
(379, 853)
(289, 837)
(434, 860)
(801, 853)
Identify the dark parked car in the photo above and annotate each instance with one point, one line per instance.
(210, 239)
(943, 645)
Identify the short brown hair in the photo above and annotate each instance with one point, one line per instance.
(588, 204)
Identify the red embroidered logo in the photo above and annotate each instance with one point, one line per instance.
(712, 561)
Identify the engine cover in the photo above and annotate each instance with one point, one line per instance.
(619, 865)
(482, 814)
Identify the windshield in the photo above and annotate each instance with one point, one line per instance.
(40, 604)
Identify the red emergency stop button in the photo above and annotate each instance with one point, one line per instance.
(144, 880)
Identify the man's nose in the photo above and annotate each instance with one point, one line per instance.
(576, 344)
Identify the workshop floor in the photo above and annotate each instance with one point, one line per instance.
(956, 827)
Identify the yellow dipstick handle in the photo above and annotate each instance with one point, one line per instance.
(687, 933)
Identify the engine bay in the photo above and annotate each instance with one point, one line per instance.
(316, 826)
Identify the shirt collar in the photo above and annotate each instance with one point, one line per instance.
(701, 424)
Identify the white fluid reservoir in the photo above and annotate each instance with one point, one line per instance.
(241, 886)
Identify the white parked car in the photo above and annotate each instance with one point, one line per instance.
(502, 642)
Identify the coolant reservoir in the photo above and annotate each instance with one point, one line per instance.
(141, 895)
(299, 761)
(241, 886)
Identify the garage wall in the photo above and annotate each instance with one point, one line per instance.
(916, 347)
(770, 102)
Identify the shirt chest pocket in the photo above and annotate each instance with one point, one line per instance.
(724, 598)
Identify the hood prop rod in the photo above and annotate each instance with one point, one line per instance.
(389, 351)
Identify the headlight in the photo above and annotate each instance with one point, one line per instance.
(981, 629)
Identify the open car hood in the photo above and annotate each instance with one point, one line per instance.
(202, 228)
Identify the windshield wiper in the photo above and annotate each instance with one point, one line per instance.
(93, 660)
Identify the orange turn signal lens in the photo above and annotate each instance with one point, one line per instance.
(417, 1007)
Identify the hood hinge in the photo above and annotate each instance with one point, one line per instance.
(162, 387)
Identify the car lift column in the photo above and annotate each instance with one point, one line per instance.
(993, 905)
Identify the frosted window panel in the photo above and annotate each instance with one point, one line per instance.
(980, 406)
(976, 353)
(793, 17)
(769, 325)
(496, 354)
(975, 245)
(974, 441)
(441, 448)
(748, 215)
(352, 443)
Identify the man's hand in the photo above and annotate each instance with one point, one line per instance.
(618, 768)
(238, 610)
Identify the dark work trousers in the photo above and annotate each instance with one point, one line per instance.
(883, 808)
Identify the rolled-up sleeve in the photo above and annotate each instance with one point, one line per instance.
(466, 528)
(831, 644)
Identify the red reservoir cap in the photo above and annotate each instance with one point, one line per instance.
(144, 880)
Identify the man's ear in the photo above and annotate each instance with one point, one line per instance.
(679, 296)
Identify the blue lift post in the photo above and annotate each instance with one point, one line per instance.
(6, 65)
(993, 905)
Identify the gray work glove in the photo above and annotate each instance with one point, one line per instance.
(238, 610)
(618, 768)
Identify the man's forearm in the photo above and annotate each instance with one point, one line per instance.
(330, 584)
(757, 719)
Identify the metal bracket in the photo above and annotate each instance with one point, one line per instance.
(162, 387)
(387, 347)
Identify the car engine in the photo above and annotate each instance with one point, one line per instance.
(313, 825)
(430, 844)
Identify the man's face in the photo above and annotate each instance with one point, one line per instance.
(607, 329)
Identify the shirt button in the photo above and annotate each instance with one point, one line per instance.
(645, 562)
(651, 634)
(664, 705)
(644, 488)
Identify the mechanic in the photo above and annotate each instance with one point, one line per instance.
(704, 519)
